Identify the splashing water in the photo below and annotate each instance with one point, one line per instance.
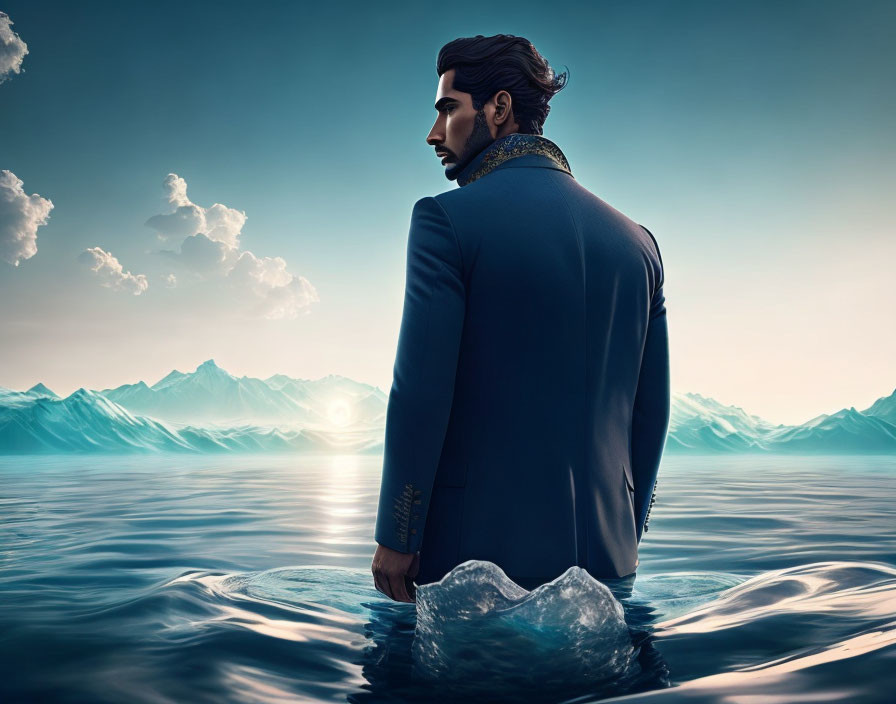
(476, 623)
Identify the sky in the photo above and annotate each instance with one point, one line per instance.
(234, 181)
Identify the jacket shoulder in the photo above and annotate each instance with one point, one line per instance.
(453, 197)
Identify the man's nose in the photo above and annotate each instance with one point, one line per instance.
(435, 136)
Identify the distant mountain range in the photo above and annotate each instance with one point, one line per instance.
(212, 396)
(210, 410)
(703, 425)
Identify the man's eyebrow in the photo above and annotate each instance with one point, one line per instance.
(444, 101)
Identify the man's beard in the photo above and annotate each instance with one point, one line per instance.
(478, 140)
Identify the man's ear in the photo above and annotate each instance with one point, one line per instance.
(503, 103)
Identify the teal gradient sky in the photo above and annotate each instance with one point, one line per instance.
(755, 140)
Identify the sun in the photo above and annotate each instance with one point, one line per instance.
(340, 412)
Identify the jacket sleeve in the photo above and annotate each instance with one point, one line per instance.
(650, 419)
(423, 376)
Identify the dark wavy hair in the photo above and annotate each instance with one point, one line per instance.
(484, 65)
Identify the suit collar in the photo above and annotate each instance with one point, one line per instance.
(515, 149)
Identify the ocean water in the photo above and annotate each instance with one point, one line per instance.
(247, 579)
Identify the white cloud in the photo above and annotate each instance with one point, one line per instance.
(177, 190)
(20, 216)
(111, 273)
(211, 250)
(184, 220)
(204, 256)
(282, 295)
(218, 223)
(223, 224)
(170, 280)
(12, 49)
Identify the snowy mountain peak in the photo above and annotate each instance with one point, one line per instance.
(40, 390)
(884, 407)
(170, 378)
(208, 369)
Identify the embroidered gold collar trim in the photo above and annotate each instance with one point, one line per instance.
(509, 147)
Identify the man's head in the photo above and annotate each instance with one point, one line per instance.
(489, 87)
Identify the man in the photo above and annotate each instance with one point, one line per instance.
(530, 395)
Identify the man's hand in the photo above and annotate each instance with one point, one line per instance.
(393, 573)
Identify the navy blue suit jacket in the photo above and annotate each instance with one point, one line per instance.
(530, 395)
